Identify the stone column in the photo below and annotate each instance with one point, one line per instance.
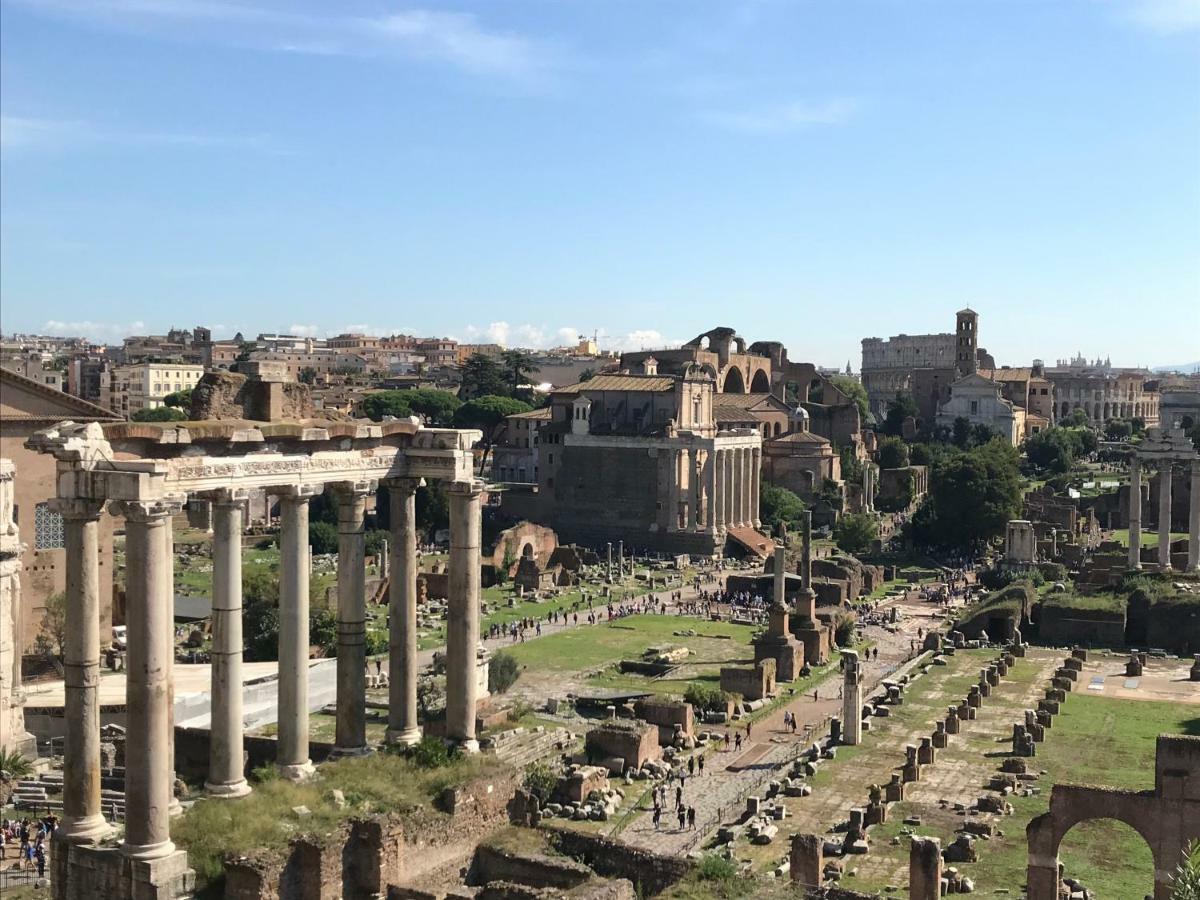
(736, 490)
(851, 699)
(1164, 514)
(402, 612)
(168, 589)
(83, 820)
(462, 629)
(712, 476)
(755, 484)
(693, 471)
(925, 869)
(148, 766)
(1194, 520)
(673, 493)
(226, 769)
(351, 728)
(291, 752)
(747, 476)
(1135, 513)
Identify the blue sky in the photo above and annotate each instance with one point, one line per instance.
(526, 170)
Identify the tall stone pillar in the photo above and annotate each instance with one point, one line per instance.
(402, 615)
(1135, 513)
(462, 631)
(674, 491)
(693, 472)
(226, 769)
(712, 484)
(291, 751)
(755, 484)
(148, 765)
(167, 535)
(1194, 520)
(351, 728)
(747, 476)
(925, 869)
(738, 492)
(1164, 514)
(851, 699)
(83, 821)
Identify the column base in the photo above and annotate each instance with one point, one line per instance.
(85, 830)
(349, 752)
(147, 851)
(174, 808)
(470, 746)
(227, 791)
(296, 771)
(405, 737)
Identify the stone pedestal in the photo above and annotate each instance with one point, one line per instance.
(925, 869)
(851, 698)
(807, 860)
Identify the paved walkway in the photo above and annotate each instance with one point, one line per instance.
(731, 776)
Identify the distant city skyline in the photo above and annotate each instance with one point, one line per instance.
(808, 173)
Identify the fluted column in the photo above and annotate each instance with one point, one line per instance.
(673, 492)
(1194, 520)
(149, 769)
(735, 479)
(402, 615)
(755, 484)
(351, 729)
(291, 751)
(693, 472)
(710, 490)
(83, 821)
(747, 486)
(717, 504)
(462, 631)
(226, 770)
(1135, 513)
(1164, 514)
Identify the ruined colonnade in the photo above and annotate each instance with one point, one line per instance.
(295, 463)
(714, 487)
(1164, 449)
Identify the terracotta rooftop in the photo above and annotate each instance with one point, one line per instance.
(543, 413)
(657, 384)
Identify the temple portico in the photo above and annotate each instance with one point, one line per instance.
(147, 473)
(1164, 449)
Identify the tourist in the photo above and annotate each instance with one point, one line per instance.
(701, 765)
(737, 741)
(657, 815)
(691, 818)
(40, 855)
(679, 797)
(691, 765)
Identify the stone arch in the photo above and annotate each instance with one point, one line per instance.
(1073, 804)
(1096, 411)
(761, 383)
(778, 429)
(527, 552)
(734, 382)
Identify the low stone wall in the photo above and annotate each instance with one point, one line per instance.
(191, 751)
(492, 863)
(650, 873)
(1064, 626)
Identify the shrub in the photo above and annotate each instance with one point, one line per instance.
(705, 696)
(323, 537)
(541, 781)
(855, 532)
(377, 642)
(14, 765)
(715, 868)
(843, 630)
(503, 672)
(431, 753)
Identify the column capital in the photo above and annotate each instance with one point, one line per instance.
(150, 511)
(297, 492)
(465, 488)
(404, 485)
(77, 508)
(226, 496)
(355, 488)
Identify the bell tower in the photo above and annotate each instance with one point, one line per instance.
(966, 340)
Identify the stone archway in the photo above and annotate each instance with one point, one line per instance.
(1167, 817)
(734, 383)
(761, 383)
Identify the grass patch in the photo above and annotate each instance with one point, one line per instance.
(265, 819)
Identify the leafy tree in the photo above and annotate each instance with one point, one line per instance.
(433, 508)
(374, 541)
(852, 467)
(982, 434)
(960, 432)
(854, 390)
(179, 399)
(1051, 450)
(482, 376)
(1077, 419)
(260, 587)
(503, 672)
(903, 407)
(1085, 441)
(541, 781)
(777, 504)
(488, 414)
(159, 414)
(387, 403)
(843, 629)
(323, 537)
(972, 496)
(893, 453)
(260, 627)
(855, 532)
(706, 696)
(54, 622)
(587, 375)
(437, 407)
(920, 455)
(518, 365)
(1118, 430)
(307, 375)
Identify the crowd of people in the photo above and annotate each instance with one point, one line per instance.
(31, 839)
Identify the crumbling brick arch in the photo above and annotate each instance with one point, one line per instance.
(1167, 818)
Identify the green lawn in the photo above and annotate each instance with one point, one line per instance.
(1149, 538)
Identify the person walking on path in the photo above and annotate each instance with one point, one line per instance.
(702, 765)
(682, 818)
(691, 818)
(657, 815)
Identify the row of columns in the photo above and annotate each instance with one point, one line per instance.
(713, 490)
(1165, 468)
(149, 796)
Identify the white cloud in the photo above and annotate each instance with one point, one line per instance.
(97, 331)
(644, 339)
(1164, 16)
(784, 117)
(18, 133)
(305, 330)
(456, 39)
